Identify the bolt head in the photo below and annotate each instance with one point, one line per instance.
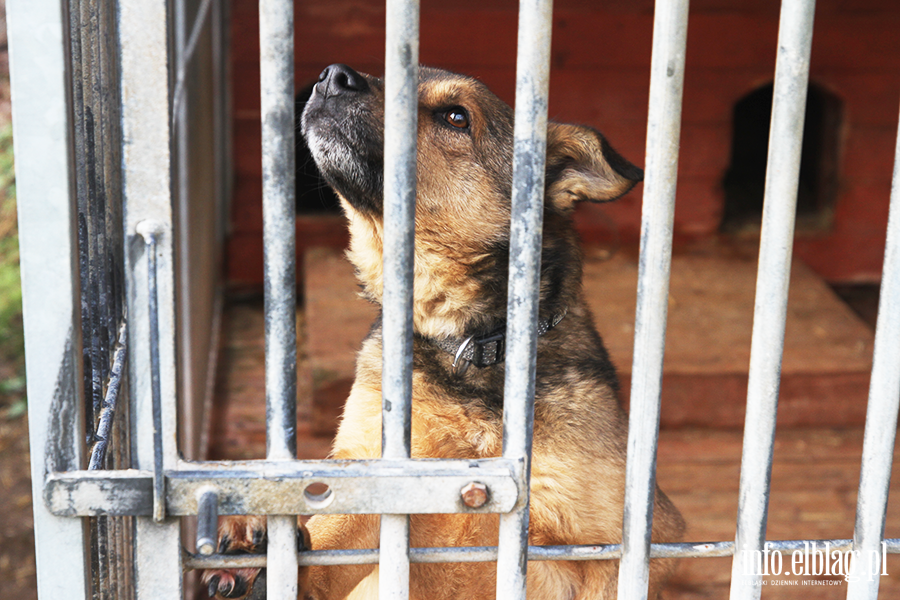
(474, 494)
(206, 547)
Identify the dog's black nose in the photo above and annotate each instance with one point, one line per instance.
(340, 79)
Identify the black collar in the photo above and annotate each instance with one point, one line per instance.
(483, 351)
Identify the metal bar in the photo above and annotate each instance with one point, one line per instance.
(881, 416)
(276, 34)
(187, 45)
(776, 244)
(273, 488)
(549, 553)
(150, 231)
(276, 31)
(529, 156)
(207, 521)
(182, 128)
(108, 411)
(47, 223)
(401, 81)
(663, 138)
(79, 63)
(145, 52)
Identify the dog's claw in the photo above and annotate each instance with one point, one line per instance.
(236, 588)
(213, 586)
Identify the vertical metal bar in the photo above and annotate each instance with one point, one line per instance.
(773, 277)
(881, 417)
(159, 479)
(401, 81)
(221, 18)
(663, 137)
(207, 521)
(277, 72)
(181, 129)
(143, 42)
(47, 220)
(530, 149)
(79, 63)
(276, 31)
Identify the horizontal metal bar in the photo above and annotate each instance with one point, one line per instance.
(415, 486)
(489, 553)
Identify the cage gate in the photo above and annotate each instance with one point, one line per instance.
(103, 233)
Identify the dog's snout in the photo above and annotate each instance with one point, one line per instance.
(339, 79)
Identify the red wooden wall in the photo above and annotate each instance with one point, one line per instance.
(600, 76)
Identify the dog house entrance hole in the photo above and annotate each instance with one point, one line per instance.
(745, 178)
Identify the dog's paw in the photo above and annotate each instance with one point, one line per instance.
(237, 535)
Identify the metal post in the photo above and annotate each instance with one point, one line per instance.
(150, 233)
(47, 241)
(881, 416)
(207, 521)
(401, 111)
(146, 156)
(530, 149)
(663, 136)
(276, 31)
(782, 173)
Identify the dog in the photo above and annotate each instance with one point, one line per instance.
(463, 207)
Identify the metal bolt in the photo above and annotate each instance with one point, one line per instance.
(207, 520)
(474, 494)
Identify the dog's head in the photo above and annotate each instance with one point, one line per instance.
(464, 178)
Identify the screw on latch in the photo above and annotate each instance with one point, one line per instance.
(474, 494)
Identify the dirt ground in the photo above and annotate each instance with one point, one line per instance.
(16, 521)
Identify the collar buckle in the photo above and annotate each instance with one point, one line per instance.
(489, 349)
(481, 352)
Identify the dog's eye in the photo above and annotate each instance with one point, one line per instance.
(458, 117)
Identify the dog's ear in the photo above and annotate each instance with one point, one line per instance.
(581, 165)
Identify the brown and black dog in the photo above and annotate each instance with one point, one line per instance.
(465, 140)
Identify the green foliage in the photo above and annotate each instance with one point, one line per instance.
(11, 338)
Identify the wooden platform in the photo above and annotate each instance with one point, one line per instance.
(815, 472)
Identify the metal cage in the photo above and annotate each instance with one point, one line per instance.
(106, 158)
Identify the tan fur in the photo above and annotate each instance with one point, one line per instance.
(462, 230)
